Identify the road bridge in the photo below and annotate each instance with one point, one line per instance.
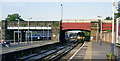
(8, 28)
(85, 25)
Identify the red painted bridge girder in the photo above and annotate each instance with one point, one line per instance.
(84, 26)
(106, 26)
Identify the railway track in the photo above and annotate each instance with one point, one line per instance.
(52, 54)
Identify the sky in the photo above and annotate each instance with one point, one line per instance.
(57, 0)
(41, 10)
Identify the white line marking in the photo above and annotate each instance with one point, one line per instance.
(76, 52)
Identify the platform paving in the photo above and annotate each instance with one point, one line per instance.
(24, 45)
(92, 51)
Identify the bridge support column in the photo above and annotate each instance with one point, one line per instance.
(55, 34)
(62, 36)
(94, 32)
(3, 30)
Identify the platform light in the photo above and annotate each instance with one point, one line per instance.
(100, 17)
(112, 44)
(28, 30)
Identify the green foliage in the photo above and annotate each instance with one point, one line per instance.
(86, 33)
(110, 55)
(109, 30)
(25, 25)
(57, 24)
(72, 33)
(117, 15)
(108, 18)
(13, 17)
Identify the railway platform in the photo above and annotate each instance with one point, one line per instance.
(92, 51)
(24, 45)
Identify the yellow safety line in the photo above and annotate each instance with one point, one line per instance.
(90, 51)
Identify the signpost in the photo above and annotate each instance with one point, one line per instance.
(113, 12)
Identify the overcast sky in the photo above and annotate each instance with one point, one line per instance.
(50, 9)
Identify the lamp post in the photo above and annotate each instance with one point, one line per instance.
(61, 11)
(100, 30)
(61, 22)
(101, 33)
(112, 44)
(61, 16)
(28, 30)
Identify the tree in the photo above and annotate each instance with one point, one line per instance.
(108, 18)
(117, 14)
(14, 17)
(86, 33)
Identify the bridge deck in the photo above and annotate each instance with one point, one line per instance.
(22, 46)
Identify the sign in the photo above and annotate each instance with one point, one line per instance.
(119, 27)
